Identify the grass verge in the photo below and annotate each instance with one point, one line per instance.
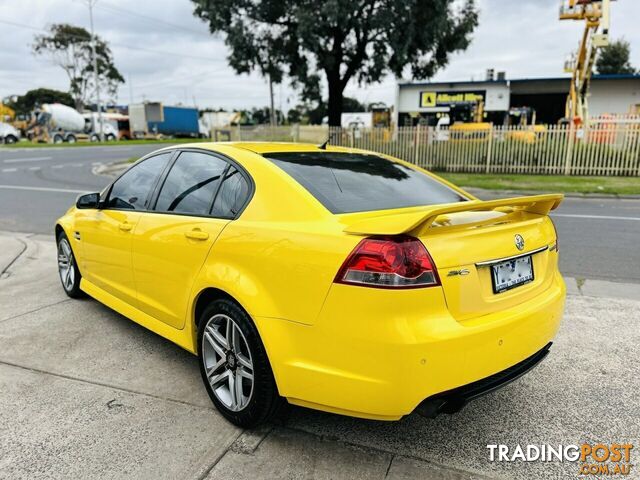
(547, 183)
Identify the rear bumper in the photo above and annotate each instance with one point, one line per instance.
(371, 356)
(452, 401)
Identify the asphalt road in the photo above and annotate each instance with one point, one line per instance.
(598, 237)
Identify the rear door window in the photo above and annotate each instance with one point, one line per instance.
(346, 183)
(191, 184)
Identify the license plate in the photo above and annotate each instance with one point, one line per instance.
(511, 273)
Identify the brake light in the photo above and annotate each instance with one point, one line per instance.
(389, 262)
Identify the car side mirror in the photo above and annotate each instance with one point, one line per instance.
(88, 200)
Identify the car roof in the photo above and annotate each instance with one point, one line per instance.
(260, 147)
(271, 147)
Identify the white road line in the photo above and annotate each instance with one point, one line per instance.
(9, 169)
(35, 168)
(595, 217)
(57, 166)
(41, 189)
(30, 159)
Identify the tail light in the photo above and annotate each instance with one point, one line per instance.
(389, 262)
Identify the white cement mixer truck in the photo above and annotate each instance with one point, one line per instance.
(57, 123)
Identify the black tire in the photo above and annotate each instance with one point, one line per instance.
(70, 284)
(94, 138)
(9, 139)
(111, 138)
(264, 401)
(71, 139)
(58, 138)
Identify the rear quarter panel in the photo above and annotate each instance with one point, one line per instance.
(276, 270)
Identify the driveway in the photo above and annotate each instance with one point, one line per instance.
(85, 393)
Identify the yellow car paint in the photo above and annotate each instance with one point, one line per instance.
(367, 352)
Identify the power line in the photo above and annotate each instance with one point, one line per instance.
(171, 81)
(121, 45)
(113, 8)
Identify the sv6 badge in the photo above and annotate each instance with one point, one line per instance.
(454, 273)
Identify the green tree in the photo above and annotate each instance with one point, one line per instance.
(70, 48)
(614, 58)
(261, 116)
(352, 105)
(25, 104)
(360, 40)
(294, 115)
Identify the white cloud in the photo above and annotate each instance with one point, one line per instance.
(523, 38)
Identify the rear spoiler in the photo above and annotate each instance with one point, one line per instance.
(398, 223)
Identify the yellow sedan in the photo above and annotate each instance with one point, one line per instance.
(337, 279)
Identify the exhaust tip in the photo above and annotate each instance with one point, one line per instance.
(432, 407)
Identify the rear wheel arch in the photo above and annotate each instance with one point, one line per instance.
(204, 298)
(209, 295)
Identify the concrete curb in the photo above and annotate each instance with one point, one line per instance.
(603, 196)
(602, 289)
(111, 169)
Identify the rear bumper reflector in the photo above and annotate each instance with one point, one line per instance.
(454, 400)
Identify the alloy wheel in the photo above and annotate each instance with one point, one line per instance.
(65, 264)
(228, 362)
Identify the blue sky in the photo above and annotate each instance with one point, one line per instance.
(173, 58)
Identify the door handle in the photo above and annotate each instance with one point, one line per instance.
(125, 226)
(196, 235)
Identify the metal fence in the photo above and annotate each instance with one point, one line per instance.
(606, 146)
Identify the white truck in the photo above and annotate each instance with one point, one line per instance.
(8, 133)
(59, 123)
(109, 126)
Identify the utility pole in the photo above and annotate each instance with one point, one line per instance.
(272, 112)
(130, 90)
(90, 3)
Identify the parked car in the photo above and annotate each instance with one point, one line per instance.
(337, 279)
(8, 133)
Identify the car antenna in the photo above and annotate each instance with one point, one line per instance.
(323, 146)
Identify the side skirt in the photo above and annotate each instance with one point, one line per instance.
(182, 338)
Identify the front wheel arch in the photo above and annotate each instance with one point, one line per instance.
(58, 230)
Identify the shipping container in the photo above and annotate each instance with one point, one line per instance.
(156, 118)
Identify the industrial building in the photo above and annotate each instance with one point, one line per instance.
(425, 103)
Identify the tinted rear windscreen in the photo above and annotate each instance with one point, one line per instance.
(346, 182)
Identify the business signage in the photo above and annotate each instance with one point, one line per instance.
(446, 99)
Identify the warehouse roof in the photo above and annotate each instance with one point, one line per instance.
(625, 76)
(621, 76)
